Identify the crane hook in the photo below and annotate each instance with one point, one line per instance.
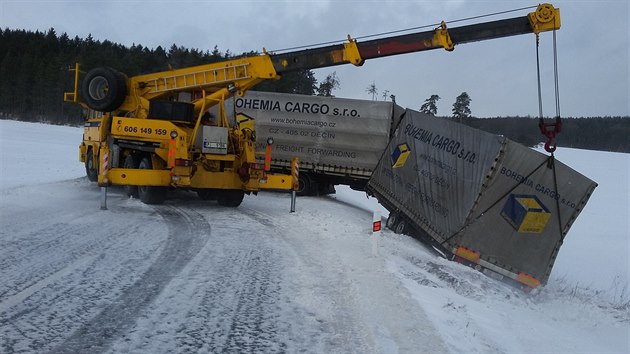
(550, 130)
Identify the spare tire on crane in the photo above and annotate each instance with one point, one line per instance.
(103, 89)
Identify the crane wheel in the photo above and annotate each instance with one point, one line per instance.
(132, 161)
(304, 185)
(230, 197)
(150, 194)
(103, 89)
(208, 193)
(91, 167)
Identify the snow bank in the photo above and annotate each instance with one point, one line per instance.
(33, 153)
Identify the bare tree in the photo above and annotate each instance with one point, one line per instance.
(372, 90)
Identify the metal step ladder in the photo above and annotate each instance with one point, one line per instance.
(199, 79)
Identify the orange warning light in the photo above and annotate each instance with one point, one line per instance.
(468, 254)
(528, 280)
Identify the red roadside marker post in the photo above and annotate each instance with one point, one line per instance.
(376, 232)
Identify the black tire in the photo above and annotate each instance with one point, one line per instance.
(150, 194)
(392, 219)
(401, 226)
(358, 187)
(132, 161)
(326, 189)
(305, 185)
(208, 194)
(230, 197)
(103, 89)
(173, 111)
(91, 168)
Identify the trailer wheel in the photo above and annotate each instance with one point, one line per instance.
(150, 194)
(132, 161)
(392, 219)
(103, 89)
(325, 189)
(230, 197)
(304, 185)
(91, 168)
(401, 227)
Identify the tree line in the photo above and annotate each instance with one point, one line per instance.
(34, 72)
(34, 67)
(594, 133)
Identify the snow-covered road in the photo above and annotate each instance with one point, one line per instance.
(190, 275)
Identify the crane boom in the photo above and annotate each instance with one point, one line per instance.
(545, 18)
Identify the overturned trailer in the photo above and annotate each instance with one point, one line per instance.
(479, 198)
(338, 140)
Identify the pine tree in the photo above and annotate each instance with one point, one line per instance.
(461, 107)
(330, 83)
(430, 105)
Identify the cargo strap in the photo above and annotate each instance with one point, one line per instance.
(552, 166)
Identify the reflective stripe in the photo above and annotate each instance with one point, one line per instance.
(105, 163)
(295, 172)
(475, 257)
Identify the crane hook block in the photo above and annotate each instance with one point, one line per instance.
(550, 130)
(545, 18)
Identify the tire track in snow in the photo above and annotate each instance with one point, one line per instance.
(38, 250)
(10, 301)
(344, 332)
(56, 282)
(238, 307)
(188, 232)
(380, 320)
(251, 319)
(27, 256)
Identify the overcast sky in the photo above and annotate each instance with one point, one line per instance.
(499, 75)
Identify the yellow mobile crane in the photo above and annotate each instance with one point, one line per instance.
(145, 131)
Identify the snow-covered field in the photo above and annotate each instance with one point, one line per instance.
(191, 276)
